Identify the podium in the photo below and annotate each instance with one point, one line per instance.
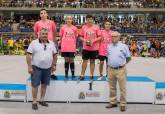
(140, 89)
(12, 92)
(160, 93)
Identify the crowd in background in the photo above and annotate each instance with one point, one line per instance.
(150, 3)
(146, 48)
(16, 44)
(84, 3)
(149, 47)
(123, 25)
(10, 25)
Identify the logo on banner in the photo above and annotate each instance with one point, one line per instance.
(93, 94)
(81, 95)
(7, 94)
(18, 93)
(159, 96)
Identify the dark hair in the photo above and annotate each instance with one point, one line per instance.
(89, 16)
(107, 21)
(73, 21)
(43, 9)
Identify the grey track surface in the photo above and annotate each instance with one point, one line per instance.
(13, 69)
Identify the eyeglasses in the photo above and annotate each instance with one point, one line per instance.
(45, 47)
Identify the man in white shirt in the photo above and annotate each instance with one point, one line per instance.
(41, 60)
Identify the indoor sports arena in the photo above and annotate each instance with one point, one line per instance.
(82, 56)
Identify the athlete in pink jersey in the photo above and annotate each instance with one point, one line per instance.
(90, 35)
(106, 39)
(50, 26)
(45, 23)
(68, 34)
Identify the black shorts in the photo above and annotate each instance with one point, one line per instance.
(102, 58)
(40, 76)
(89, 54)
(68, 54)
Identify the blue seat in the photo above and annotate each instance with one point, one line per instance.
(26, 30)
(154, 31)
(134, 30)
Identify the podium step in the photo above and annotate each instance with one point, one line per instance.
(12, 92)
(140, 89)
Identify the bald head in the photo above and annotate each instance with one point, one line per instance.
(115, 37)
(115, 33)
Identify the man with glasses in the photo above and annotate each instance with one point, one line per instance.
(41, 60)
(118, 56)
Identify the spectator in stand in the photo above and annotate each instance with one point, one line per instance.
(157, 48)
(152, 50)
(10, 45)
(26, 43)
(162, 52)
(15, 26)
(84, 3)
(133, 48)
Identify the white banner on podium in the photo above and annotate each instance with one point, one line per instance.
(160, 93)
(16, 92)
(139, 89)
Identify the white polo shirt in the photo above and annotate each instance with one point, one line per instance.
(42, 54)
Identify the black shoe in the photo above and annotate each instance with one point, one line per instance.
(43, 103)
(81, 78)
(92, 77)
(34, 106)
(111, 106)
(54, 77)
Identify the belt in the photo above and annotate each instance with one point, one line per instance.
(119, 67)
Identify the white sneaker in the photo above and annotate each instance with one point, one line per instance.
(99, 78)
